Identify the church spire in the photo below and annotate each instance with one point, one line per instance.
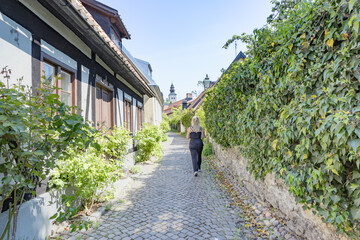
(172, 88)
(172, 95)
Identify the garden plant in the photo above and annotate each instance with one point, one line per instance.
(35, 130)
(148, 143)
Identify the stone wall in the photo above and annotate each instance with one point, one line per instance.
(273, 191)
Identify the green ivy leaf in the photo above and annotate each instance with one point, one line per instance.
(2, 168)
(351, 4)
(355, 175)
(355, 213)
(357, 202)
(356, 26)
(354, 144)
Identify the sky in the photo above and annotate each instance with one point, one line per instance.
(183, 40)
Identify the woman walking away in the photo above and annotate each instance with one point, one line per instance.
(195, 133)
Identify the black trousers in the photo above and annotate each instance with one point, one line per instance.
(196, 156)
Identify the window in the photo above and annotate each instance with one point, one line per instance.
(128, 118)
(115, 37)
(104, 107)
(139, 117)
(65, 83)
(49, 72)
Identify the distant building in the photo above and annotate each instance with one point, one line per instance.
(197, 102)
(241, 56)
(182, 103)
(172, 95)
(153, 106)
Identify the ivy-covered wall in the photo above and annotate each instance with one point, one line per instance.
(294, 105)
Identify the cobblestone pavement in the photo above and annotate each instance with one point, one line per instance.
(166, 201)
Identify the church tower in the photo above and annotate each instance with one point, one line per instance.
(172, 95)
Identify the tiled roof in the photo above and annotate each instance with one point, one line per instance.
(196, 103)
(167, 108)
(241, 55)
(109, 11)
(97, 28)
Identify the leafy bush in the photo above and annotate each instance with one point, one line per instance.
(148, 143)
(181, 115)
(165, 127)
(35, 129)
(207, 150)
(115, 142)
(88, 174)
(165, 124)
(293, 104)
(91, 173)
(175, 117)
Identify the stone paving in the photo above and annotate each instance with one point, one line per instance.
(166, 201)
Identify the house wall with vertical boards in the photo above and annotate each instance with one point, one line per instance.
(30, 35)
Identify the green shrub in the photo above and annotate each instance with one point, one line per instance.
(293, 104)
(178, 116)
(165, 123)
(115, 142)
(88, 174)
(175, 117)
(207, 150)
(165, 127)
(91, 173)
(35, 130)
(148, 143)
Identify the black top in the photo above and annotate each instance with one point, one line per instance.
(195, 140)
(195, 135)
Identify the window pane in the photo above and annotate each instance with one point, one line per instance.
(65, 81)
(65, 98)
(115, 38)
(49, 72)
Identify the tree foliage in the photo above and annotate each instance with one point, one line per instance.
(186, 116)
(293, 104)
(201, 114)
(183, 116)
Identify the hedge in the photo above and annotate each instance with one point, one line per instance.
(294, 105)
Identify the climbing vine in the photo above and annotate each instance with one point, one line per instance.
(293, 105)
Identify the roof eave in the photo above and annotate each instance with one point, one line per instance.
(95, 37)
(111, 12)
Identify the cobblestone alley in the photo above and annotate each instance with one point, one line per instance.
(166, 201)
